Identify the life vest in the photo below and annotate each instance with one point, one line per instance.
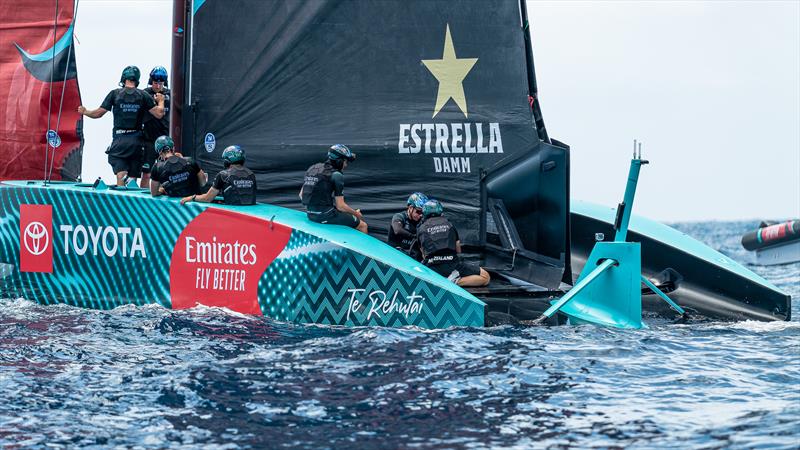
(437, 237)
(318, 187)
(396, 240)
(238, 186)
(178, 176)
(129, 109)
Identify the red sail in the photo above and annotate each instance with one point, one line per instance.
(30, 58)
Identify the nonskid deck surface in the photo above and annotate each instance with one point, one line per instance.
(281, 265)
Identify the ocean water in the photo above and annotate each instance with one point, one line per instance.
(149, 377)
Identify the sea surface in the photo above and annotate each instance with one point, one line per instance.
(208, 378)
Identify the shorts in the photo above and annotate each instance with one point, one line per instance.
(125, 154)
(126, 145)
(334, 217)
(465, 269)
(131, 164)
(149, 156)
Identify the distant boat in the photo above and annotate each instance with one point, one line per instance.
(774, 243)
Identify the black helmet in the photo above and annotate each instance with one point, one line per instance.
(164, 144)
(130, 73)
(159, 73)
(432, 208)
(340, 152)
(232, 155)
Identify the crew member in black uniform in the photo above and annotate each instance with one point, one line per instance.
(440, 246)
(323, 191)
(236, 182)
(153, 128)
(174, 175)
(403, 229)
(129, 106)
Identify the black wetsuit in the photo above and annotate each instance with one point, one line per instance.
(321, 185)
(438, 237)
(237, 185)
(177, 176)
(402, 231)
(129, 106)
(153, 129)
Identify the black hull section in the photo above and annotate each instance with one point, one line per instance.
(711, 285)
(773, 235)
(506, 303)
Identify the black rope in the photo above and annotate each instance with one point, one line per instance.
(64, 86)
(50, 100)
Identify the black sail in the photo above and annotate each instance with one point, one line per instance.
(432, 96)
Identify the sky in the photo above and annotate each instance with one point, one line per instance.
(712, 89)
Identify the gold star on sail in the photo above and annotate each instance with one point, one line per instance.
(450, 71)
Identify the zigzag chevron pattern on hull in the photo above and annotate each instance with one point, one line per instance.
(105, 249)
(84, 275)
(343, 287)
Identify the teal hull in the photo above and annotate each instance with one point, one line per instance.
(70, 243)
(700, 279)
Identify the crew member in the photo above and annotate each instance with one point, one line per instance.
(236, 182)
(174, 175)
(323, 191)
(153, 127)
(129, 106)
(403, 229)
(440, 246)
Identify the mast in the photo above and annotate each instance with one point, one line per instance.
(533, 90)
(179, 30)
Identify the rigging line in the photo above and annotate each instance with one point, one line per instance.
(50, 100)
(64, 85)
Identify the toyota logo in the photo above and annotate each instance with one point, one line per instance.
(36, 238)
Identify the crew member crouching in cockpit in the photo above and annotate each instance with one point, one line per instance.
(173, 174)
(440, 246)
(403, 229)
(236, 182)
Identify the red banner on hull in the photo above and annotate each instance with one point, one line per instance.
(36, 238)
(219, 259)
